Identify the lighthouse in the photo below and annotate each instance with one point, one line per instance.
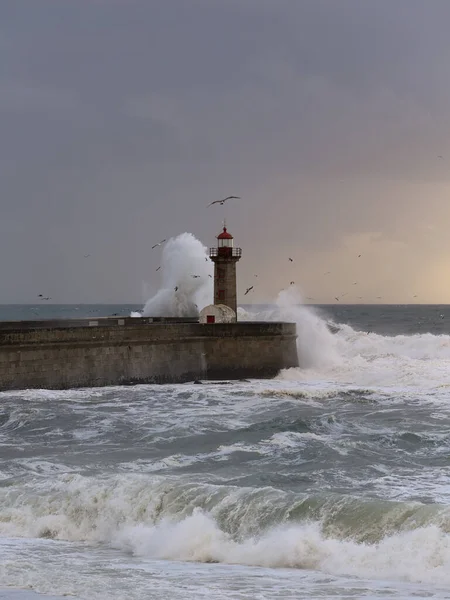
(225, 257)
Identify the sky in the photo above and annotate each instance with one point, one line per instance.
(121, 120)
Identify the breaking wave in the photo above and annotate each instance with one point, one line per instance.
(187, 283)
(332, 352)
(250, 526)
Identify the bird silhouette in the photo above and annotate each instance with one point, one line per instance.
(248, 290)
(158, 268)
(338, 298)
(291, 259)
(158, 244)
(195, 276)
(176, 288)
(292, 282)
(222, 202)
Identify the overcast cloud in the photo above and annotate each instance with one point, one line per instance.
(122, 119)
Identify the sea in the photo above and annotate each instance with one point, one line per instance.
(330, 481)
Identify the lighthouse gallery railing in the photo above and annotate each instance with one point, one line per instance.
(225, 251)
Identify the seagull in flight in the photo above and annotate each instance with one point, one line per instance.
(222, 202)
(158, 268)
(338, 298)
(195, 276)
(247, 290)
(159, 244)
(291, 259)
(86, 255)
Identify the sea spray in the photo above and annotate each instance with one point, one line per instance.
(352, 357)
(315, 343)
(371, 360)
(187, 284)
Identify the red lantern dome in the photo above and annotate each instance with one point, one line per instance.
(224, 235)
(225, 246)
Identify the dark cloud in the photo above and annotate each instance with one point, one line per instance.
(121, 120)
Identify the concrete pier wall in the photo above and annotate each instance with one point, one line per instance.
(98, 352)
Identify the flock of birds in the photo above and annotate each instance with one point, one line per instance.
(221, 202)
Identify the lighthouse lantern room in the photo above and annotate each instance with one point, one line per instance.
(225, 257)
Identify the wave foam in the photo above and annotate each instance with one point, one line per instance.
(254, 527)
(198, 538)
(350, 357)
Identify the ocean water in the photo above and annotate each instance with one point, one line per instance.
(329, 481)
(32, 312)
